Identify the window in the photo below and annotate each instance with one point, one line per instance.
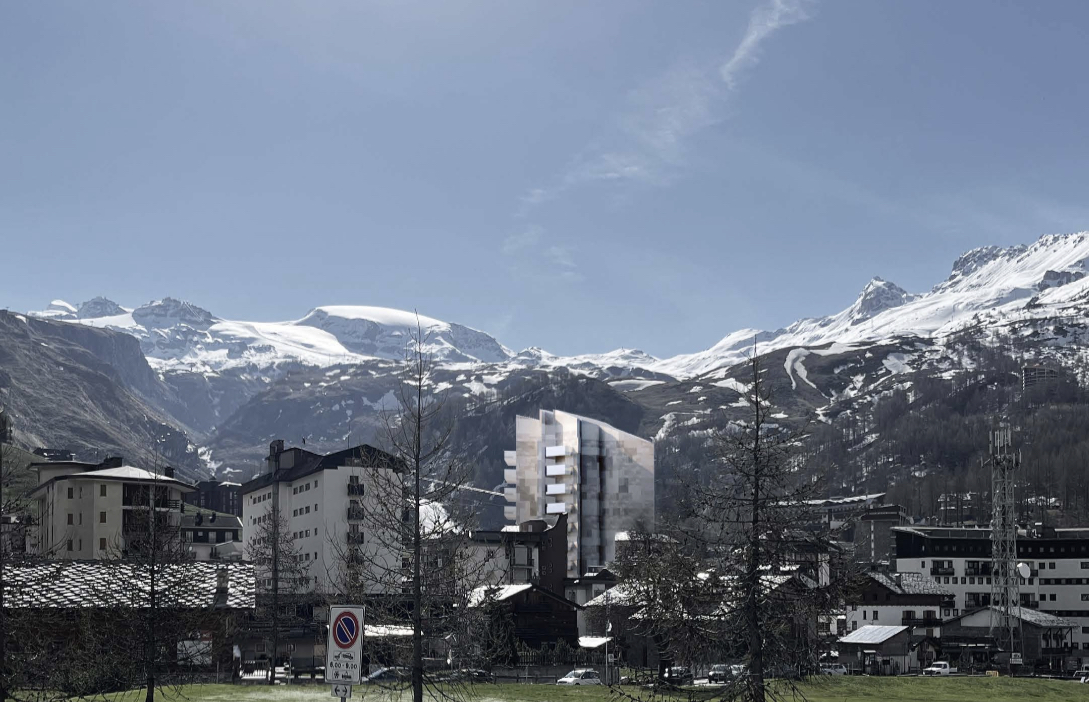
(854, 608)
(1052, 597)
(294, 513)
(863, 615)
(294, 491)
(70, 492)
(101, 517)
(854, 626)
(69, 544)
(908, 614)
(1085, 597)
(315, 555)
(308, 533)
(102, 490)
(308, 509)
(875, 615)
(922, 564)
(70, 522)
(315, 506)
(1051, 565)
(963, 580)
(945, 612)
(102, 544)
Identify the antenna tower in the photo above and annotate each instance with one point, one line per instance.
(1005, 588)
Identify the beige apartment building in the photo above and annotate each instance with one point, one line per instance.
(84, 510)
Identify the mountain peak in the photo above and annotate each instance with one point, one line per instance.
(170, 312)
(878, 295)
(98, 307)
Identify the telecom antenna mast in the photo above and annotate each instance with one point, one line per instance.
(1005, 588)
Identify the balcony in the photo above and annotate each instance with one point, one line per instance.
(556, 471)
(510, 476)
(355, 514)
(510, 458)
(943, 570)
(510, 513)
(556, 489)
(930, 622)
(1056, 650)
(355, 537)
(556, 508)
(1030, 604)
(510, 494)
(355, 489)
(555, 451)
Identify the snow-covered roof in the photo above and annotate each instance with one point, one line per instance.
(849, 500)
(1027, 615)
(871, 634)
(382, 631)
(80, 584)
(496, 593)
(911, 584)
(593, 641)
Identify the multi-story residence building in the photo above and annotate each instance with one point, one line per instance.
(600, 477)
(219, 495)
(900, 599)
(86, 510)
(323, 500)
(212, 536)
(960, 559)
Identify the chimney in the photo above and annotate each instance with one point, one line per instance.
(112, 462)
(899, 578)
(168, 472)
(274, 451)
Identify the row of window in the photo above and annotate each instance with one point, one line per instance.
(101, 492)
(303, 510)
(303, 535)
(984, 547)
(303, 488)
(261, 498)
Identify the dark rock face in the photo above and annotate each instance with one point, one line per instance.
(87, 390)
(98, 307)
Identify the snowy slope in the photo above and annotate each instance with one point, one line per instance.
(988, 287)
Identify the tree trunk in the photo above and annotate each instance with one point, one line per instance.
(417, 591)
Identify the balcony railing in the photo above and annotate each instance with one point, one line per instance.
(355, 489)
(943, 570)
(355, 513)
(355, 537)
(921, 621)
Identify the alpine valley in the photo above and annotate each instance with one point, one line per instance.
(898, 385)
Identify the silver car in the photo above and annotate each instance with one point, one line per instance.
(583, 676)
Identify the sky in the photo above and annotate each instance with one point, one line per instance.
(570, 175)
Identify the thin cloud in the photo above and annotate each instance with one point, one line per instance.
(521, 241)
(527, 250)
(764, 21)
(650, 143)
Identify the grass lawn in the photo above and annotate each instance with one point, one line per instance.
(840, 689)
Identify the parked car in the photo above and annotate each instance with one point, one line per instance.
(719, 674)
(583, 676)
(939, 668)
(388, 675)
(679, 675)
(737, 670)
(833, 669)
(1081, 673)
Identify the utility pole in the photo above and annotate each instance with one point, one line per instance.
(1005, 589)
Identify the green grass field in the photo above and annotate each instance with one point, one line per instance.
(847, 689)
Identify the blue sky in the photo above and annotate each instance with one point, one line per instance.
(577, 176)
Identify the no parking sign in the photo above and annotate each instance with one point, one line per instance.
(344, 650)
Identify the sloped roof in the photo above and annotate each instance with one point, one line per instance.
(496, 594)
(1027, 615)
(130, 474)
(911, 584)
(872, 634)
(310, 463)
(88, 584)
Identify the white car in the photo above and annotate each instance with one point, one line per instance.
(833, 669)
(939, 668)
(583, 676)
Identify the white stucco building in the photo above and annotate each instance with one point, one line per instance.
(323, 499)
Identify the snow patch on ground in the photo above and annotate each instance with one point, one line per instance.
(634, 385)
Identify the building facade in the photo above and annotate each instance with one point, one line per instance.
(218, 495)
(959, 558)
(86, 510)
(323, 499)
(600, 477)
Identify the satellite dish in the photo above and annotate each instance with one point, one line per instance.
(1023, 570)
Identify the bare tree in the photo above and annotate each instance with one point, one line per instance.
(280, 573)
(412, 562)
(156, 594)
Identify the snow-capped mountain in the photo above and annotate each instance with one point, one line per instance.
(180, 336)
(231, 383)
(988, 287)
